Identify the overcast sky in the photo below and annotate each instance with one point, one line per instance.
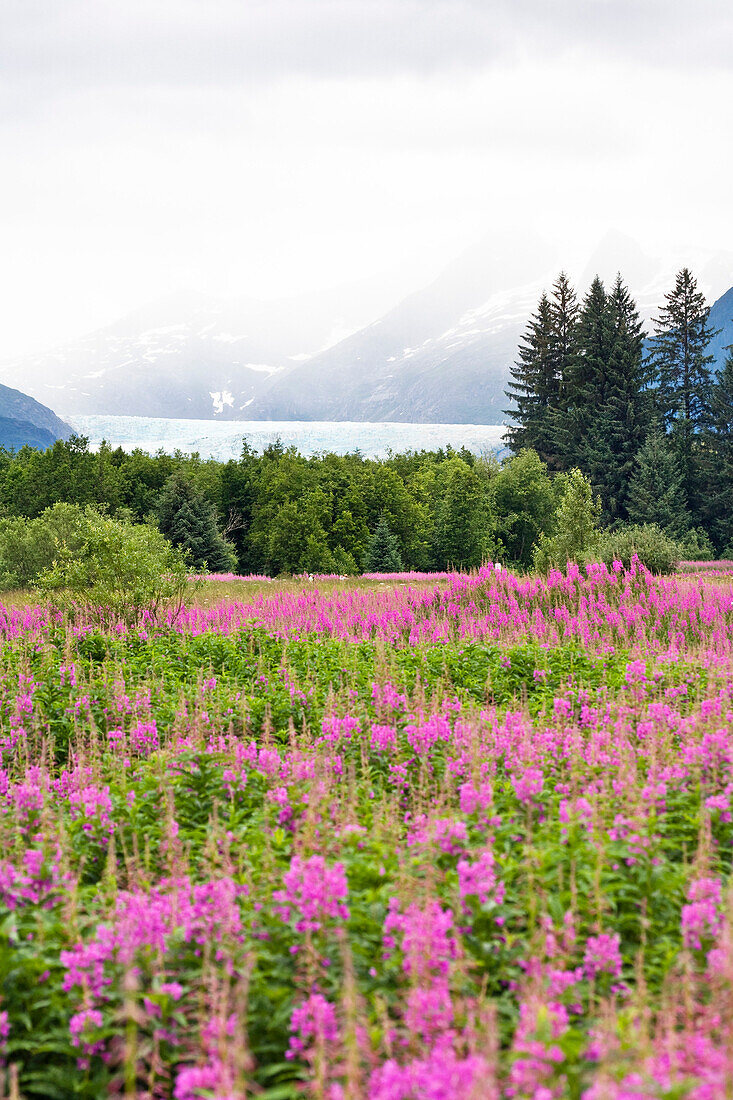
(268, 147)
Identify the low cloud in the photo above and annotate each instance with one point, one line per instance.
(48, 46)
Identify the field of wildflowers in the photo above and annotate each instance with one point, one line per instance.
(454, 841)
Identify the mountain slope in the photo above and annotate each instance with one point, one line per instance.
(191, 355)
(25, 420)
(15, 434)
(441, 355)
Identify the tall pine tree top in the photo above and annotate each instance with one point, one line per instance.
(534, 386)
(684, 391)
(538, 377)
(593, 339)
(563, 316)
(679, 356)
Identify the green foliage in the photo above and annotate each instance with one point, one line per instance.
(589, 399)
(525, 502)
(684, 390)
(653, 546)
(114, 570)
(603, 423)
(718, 506)
(696, 545)
(27, 547)
(655, 494)
(576, 531)
(463, 524)
(536, 386)
(383, 555)
(188, 520)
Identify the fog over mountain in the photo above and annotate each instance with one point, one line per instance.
(440, 355)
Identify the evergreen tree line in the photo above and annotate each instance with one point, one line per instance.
(643, 416)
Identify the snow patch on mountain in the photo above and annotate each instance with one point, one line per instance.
(220, 398)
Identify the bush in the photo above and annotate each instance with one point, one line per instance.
(576, 530)
(27, 547)
(654, 548)
(696, 546)
(119, 571)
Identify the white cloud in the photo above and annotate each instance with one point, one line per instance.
(271, 147)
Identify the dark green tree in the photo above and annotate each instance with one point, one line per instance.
(655, 487)
(719, 509)
(586, 384)
(564, 311)
(188, 520)
(240, 485)
(603, 422)
(534, 388)
(626, 411)
(383, 553)
(584, 428)
(539, 376)
(680, 365)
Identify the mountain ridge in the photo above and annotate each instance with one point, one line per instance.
(25, 421)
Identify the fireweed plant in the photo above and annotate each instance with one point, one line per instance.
(454, 842)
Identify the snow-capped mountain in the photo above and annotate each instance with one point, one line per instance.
(190, 355)
(441, 355)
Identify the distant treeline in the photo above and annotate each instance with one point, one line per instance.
(642, 415)
(279, 512)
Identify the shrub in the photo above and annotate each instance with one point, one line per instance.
(28, 546)
(654, 548)
(119, 570)
(696, 546)
(576, 531)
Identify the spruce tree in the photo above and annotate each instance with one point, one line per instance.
(719, 510)
(534, 387)
(680, 363)
(627, 402)
(605, 411)
(655, 488)
(188, 520)
(383, 552)
(564, 312)
(584, 428)
(539, 375)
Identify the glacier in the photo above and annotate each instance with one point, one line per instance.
(223, 439)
